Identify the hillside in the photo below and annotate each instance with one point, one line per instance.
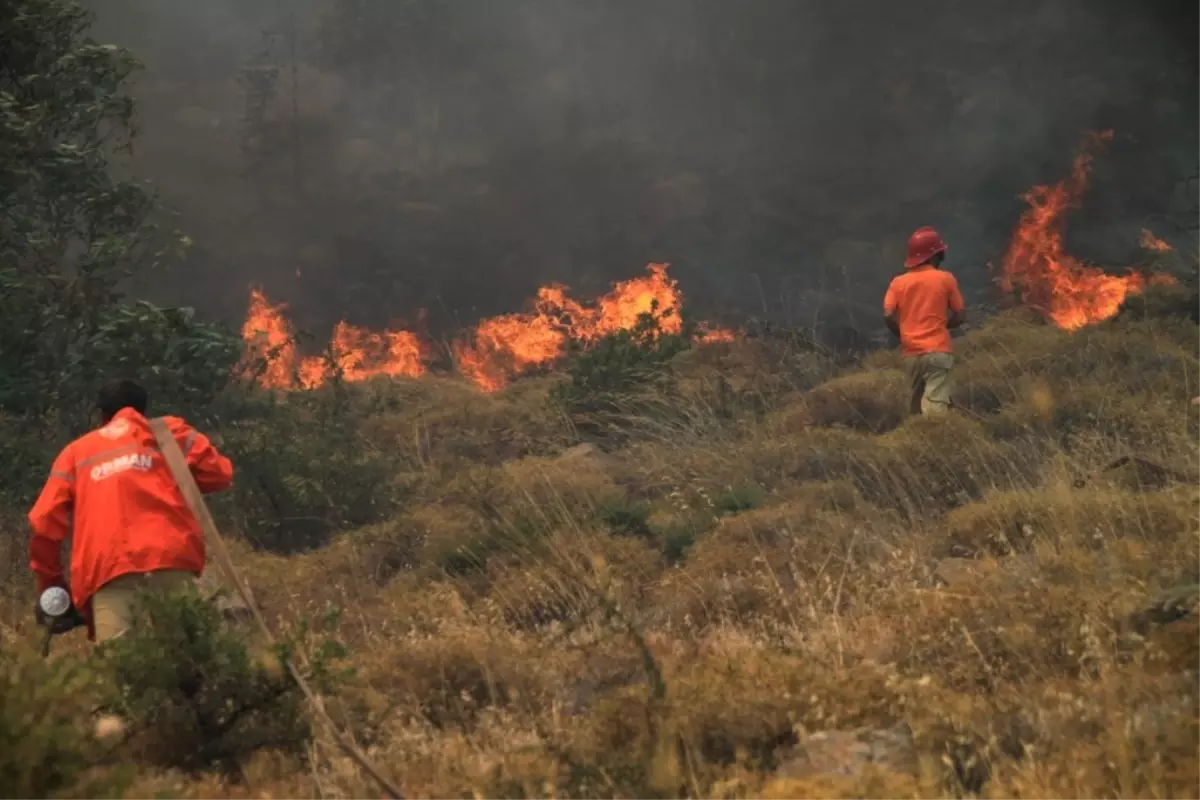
(747, 575)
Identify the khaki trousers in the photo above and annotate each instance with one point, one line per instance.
(113, 603)
(931, 382)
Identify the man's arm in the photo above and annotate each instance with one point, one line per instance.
(890, 310)
(213, 472)
(958, 313)
(50, 519)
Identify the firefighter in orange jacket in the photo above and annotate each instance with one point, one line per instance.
(112, 493)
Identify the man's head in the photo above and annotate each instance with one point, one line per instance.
(118, 394)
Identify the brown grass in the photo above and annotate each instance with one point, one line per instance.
(566, 657)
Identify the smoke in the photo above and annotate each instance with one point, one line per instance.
(433, 162)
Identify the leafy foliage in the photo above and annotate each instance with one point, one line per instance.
(625, 516)
(70, 231)
(606, 377)
(197, 694)
(305, 469)
(45, 749)
(70, 234)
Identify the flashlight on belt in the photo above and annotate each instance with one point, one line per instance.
(57, 614)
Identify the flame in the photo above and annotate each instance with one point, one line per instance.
(1069, 292)
(1154, 244)
(707, 334)
(490, 355)
(268, 337)
(501, 347)
(362, 354)
(358, 353)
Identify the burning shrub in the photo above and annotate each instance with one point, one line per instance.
(617, 377)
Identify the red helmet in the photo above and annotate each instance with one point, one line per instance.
(923, 245)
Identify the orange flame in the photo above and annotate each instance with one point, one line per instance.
(503, 346)
(707, 334)
(358, 353)
(1154, 244)
(268, 337)
(1069, 292)
(493, 352)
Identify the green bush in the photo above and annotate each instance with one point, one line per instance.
(46, 745)
(73, 234)
(194, 695)
(625, 516)
(743, 497)
(304, 469)
(616, 377)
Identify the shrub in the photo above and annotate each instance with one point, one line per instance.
(1008, 522)
(46, 745)
(304, 470)
(874, 401)
(625, 516)
(195, 695)
(614, 378)
(736, 499)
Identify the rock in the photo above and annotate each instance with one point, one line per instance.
(850, 752)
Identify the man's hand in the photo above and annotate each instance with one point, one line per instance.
(69, 621)
(893, 324)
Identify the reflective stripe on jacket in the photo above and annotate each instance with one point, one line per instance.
(112, 493)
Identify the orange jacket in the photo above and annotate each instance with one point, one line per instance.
(112, 492)
(921, 300)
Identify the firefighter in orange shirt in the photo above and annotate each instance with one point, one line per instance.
(112, 492)
(921, 307)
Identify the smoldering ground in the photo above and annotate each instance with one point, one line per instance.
(371, 159)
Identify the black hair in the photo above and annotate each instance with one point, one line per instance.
(937, 258)
(121, 393)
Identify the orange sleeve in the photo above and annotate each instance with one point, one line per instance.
(889, 300)
(955, 298)
(50, 519)
(213, 472)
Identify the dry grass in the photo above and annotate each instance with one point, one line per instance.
(774, 568)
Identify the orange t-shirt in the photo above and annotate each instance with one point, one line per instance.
(921, 300)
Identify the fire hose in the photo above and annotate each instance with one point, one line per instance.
(57, 613)
(216, 545)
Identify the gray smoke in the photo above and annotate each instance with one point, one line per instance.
(431, 162)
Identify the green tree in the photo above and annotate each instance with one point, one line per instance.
(71, 234)
(69, 231)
